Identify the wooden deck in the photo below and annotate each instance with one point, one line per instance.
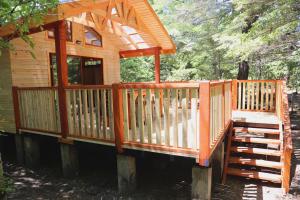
(255, 117)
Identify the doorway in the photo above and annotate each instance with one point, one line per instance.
(81, 70)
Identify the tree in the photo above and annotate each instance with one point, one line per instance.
(263, 35)
(22, 13)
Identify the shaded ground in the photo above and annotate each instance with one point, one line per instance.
(159, 178)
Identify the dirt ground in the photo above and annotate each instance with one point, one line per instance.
(158, 178)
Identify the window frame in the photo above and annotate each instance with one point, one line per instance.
(70, 38)
(98, 34)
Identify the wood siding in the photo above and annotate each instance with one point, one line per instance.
(27, 71)
(7, 122)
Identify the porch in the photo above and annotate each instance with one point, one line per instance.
(185, 119)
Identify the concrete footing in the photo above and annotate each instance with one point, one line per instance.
(32, 151)
(126, 173)
(201, 182)
(69, 160)
(19, 149)
(217, 164)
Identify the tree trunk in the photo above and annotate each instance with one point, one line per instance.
(243, 70)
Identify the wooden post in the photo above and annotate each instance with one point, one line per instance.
(157, 65)
(16, 108)
(118, 117)
(62, 73)
(234, 94)
(204, 149)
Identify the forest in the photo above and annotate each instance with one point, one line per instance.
(223, 39)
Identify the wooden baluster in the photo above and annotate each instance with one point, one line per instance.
(262, 90)
(157, 116)
(104, 112)
(174, 116)
(248, 95)
(194, 123)
(91, 108)
(234, 94)
(257, 96)
(110, 113)
(240, 95)
(98, 115)
(125, 115)
(149, 115)
(166, 103)
(81, 121)
(141, 115)
(244, 95)
(252, 95)
(133, 115)
(185, 104)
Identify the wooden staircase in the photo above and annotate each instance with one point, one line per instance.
(254, 151)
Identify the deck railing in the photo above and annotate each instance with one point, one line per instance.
(256, 95)
(160, 117)
(38, 109)
(188, 118)
(90, 113)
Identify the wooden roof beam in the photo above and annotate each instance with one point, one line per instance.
(139, 52)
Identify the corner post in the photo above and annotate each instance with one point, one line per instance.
(62, 69)
(118, 116)
(234, 94)
(157, 64)
(204, 151)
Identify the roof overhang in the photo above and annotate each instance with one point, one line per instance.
(134, 23)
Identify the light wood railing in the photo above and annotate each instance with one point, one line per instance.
(160, 117)
(282, 111)
(256, 95)
(90, 113)
(37, 109)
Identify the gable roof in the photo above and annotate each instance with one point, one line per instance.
(134, 23)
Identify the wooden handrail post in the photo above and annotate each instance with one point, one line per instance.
(204, 147)
(62, 69)
(16, 108)
(118, 116)
(234, 94)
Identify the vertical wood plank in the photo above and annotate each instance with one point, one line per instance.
(244, 95)
(194, 123)
(104, 112)
(185, 102)
(174, 115)
(257, 96)
(111, 116)
(85, 112)
(125, 114)
(133, 115)
(240, 95)
(149, 115)
(262, 89)
(167, 116)
(141, 115)
(157, 116)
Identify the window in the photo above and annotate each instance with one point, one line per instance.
(81, 70)
(74, 69)
(68, 32)
(92, 37)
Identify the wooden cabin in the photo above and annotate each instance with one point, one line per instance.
(71, 90)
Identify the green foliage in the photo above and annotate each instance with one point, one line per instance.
(22, 13)
(212, 37)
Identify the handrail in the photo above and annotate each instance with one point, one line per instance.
(287, 138)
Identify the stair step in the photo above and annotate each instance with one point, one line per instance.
(256, 130)
(255, 162)
(260, 151)
(275, 178)
(256, 140)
